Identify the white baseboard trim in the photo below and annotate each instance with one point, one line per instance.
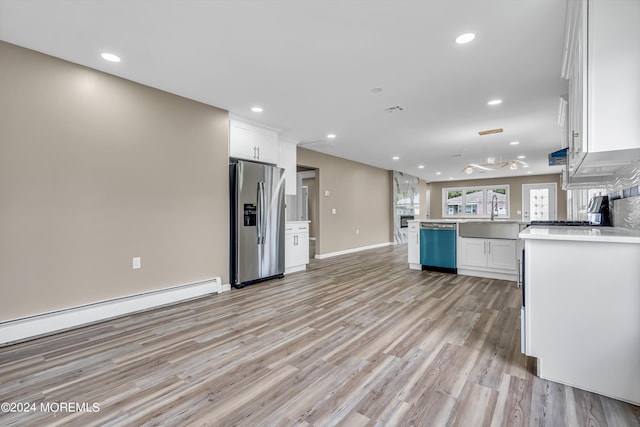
(350, 251)
(23, 329)
(512, 277)
(295, 269)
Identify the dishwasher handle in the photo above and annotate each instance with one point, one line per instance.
(437, 226)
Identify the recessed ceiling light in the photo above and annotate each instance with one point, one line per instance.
(514, 142)
(438, 173)
(110, 57)
(465, 38)
(495, 102)
(256, 109)
(396, 158)
(522, 157)
(450, 178)
(528, 172)
(420, 166)
(331, 135)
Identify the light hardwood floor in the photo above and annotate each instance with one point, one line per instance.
(357, 340)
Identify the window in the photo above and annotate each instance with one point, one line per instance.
(475, 201)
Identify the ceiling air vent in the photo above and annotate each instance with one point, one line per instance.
(393, 109)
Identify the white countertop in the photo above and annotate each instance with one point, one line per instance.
(461, 220)
(581, 234)
(297, 222)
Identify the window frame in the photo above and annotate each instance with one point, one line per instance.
(463, 201)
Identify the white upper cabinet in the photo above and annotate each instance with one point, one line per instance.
(287, 161)
(602, 64)
(251, 142)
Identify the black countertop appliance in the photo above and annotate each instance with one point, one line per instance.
(598, 210)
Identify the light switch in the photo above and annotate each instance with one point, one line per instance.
(326, 193)
(333, 211)
(137, 263)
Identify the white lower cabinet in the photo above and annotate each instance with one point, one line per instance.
(413, 241)
(296, 246)
(493, 258)
(582, 317)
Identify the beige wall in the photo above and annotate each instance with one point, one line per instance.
(360, 194)
(95, 170)
(515, 192)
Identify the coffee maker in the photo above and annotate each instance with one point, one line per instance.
(598, 210)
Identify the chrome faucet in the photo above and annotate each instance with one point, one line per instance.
(494, 207)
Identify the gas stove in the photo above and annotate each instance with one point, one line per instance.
(567, 223)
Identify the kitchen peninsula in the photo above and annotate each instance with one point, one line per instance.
(581, 316)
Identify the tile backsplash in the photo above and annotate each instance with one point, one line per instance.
(625, 211)
(624, 197)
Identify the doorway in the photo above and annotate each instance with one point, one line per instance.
(539, 202)
(307, 200)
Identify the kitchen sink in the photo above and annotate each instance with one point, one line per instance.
(490, 229)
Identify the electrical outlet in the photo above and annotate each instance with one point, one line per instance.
(327, 193)
(137, 263)
(357, 231)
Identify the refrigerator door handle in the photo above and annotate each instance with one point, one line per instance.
(262, 209)
(259, 212)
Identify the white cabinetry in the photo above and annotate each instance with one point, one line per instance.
(493, 258)
(287, 161)
(296, 248)
(251, 142)
(582, 318)
(413, 241)
(602, 65)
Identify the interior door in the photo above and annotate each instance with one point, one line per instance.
(539, 202)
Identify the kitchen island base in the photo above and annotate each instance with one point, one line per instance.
(582, 311)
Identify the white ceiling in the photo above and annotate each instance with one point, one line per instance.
(311, 64)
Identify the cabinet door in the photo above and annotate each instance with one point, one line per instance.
(302, 249)
(577, 85)
(290, 254)
(501, 254)
(266, 143)
(414, 247)
(473, 252)
(241, 144)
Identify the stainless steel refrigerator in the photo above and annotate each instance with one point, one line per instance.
(257, 222)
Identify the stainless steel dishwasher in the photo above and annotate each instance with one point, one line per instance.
(438, 246)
